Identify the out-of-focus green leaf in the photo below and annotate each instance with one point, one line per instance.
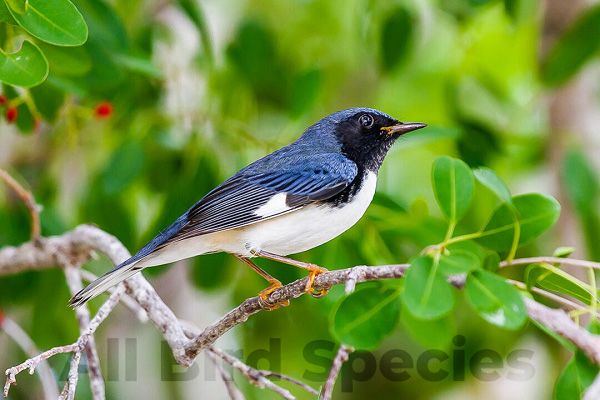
(196, 14)
(496, 301)
(432, 334)
(305, 91)
(67, 61)
(574, 48)
(25, 121)
(536, 213)
(53, 21)
(48, 100)
(577, 376)
(105, 27)
(366, 317)
(459, 262)
(551, 278)
(583, 189)
(453, 186)
(396, 38)
(426, 293)
(27, 67)
(139, 65)
(211, 271)
(255, 56)
(124, 166)
(492, 181)
(581, 182)
(478, 143)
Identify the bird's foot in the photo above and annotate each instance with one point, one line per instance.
(313, 271)
(262, 297)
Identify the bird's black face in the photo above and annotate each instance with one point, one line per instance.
(367, 136)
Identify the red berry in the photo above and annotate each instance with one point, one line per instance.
(11, 114)
(3, 99)
(1, 317)
(104, 110)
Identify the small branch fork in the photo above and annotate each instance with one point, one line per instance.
(76, 247)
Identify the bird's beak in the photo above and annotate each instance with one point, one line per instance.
(403, 127)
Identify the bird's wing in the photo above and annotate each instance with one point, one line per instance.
(255, 196)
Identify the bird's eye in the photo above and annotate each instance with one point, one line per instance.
(366, 120)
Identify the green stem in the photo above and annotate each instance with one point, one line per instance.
(592, 278)
(516, 237)
(461, 238)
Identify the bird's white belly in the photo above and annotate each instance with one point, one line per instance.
(308, 227)
(289, 233)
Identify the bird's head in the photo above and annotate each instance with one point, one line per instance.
(366, 135)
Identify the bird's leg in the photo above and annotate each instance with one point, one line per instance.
(313, 270)
(275, 284)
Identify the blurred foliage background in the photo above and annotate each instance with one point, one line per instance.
(166, 99)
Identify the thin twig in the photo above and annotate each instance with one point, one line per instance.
(340, 358)
(68, 392)
(33, 208)
(551, 260)
(14, 331)
(254, 376)
(83, 318)
(232, 390)
(271, 374)
(74, 348)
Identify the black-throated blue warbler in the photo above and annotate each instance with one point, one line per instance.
(289, 201)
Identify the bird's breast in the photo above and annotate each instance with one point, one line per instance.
(309, 226)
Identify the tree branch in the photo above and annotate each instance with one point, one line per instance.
(78, 246)
(25, 195)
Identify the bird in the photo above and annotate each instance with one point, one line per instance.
(292, 200)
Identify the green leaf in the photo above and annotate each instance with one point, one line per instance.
(139, 65)
(198, 17)
(574, 48)
(305, 91)
(396, 38)
(581, 182)
(551, 278)
(426, 293)
(432, 334)
(366, 317)
(577, 376)
(25, 120)
(536, 213)
(105, 26)
(27, 67)
(18, 6)
(54, 21)
(459, 262)
(5, 14)
(491, 261)
(453, 186)
(563, 251)
(492, 181)
(67, 61)
(48, 100)
(496, 301)
(124, 166)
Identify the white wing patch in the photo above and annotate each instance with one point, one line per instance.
(276, 205)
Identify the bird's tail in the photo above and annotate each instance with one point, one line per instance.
(111, 278)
